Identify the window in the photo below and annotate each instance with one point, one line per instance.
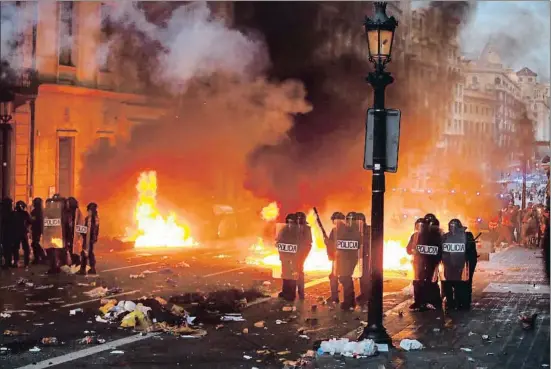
(475, 80)
(66, 31)
(105, 55)
(464, 108)
(65, 166)
(498, 81)
(460, 107)
(476, 109)
(530, 79)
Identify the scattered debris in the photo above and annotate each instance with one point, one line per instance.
(289, 308)
(471, 334)
(75, 311)
(137, 276)
(410, 345)
(436, 329)
(9, 333)
(232, 318)
(245, 330)
(528, 321)
(5, 315)
(34, 349)
(97, 292)
(50, 341)
(259, 324)
(88, 340)
(182, 265)
(466, 349)
(117, 352)
(346, 347)
(42, 303)
(219, 326)
(485, 337)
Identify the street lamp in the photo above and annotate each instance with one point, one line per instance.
(380, 35)
(6, 111)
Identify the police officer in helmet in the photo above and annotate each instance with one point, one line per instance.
(347, 248)
(336, 218)
(287, 244)
(305, 245)
(365, 278)
(455, 266)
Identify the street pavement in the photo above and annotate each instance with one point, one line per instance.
(512, 283)
(39, 306)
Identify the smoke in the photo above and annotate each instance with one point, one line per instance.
(15, 40)
(519, 30)
(321, 163)
(220, 108)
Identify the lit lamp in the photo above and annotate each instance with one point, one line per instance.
(379, 33)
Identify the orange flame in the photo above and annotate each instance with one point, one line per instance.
(153, 230)
(270, 212)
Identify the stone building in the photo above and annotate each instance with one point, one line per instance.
(80, 102)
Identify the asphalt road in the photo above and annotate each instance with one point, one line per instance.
(48, 301)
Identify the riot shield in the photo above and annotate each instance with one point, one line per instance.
(287, 244)
(454, 266)
(425, 267)
(349, 249)
(80, 231)
(53, 234)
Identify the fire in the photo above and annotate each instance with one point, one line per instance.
(153, 230)
(58, 242)
(395, 255)
(270, 212)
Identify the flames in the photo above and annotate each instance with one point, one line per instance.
(395, 255)
(152, 229)
(270, 212)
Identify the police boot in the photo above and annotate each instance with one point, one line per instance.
(92, 270)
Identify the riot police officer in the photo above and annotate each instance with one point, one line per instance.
(305, 245)
(37, 229)
(53, 233)
(455, 266)
(336, 218)
(426, 257)
(287, 242)
(348, 247)
(90, 234)
(472, 259)
(21, 224)
(73, 218)
(366, 264)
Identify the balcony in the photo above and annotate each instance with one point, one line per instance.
(18, 86)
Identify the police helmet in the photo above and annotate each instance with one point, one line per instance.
(434, 223)
(301, 217)
(420, 222)
(92, 207)
(361, 216)
(291, 218)
(351, 217)
(455, 225)
(429, 217)
(73, 203)
(37, 202)
(20, 205)
(337, 216)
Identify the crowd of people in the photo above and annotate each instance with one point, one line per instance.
(449, 257)
(60, 235)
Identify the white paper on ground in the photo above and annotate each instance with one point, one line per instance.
(409, 345)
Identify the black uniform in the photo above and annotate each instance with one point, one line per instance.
(347, 245)
(89, 239)
(427, 253)
(336, 218)
(365, 279)
(287, 242)
(7, 231)
(37, 229)
(472, 259)
(305, 245)
(21, 224)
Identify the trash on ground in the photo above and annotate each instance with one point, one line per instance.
(44, 287)
(466, 349)
(289, 308)
(247, 357)
(97, 292)
(42, 303)
(303, 336)
(50, 341)
(260, 324)
(117, 352)
(485, 337)
(34, 349)
(99, 319)
(382, 347)
(232, 318)
(219, 326)
(182, 265)
(10, 333)
(137, 276)
(436, 329)
(528, 321)
(471, 334)
(245, 330)
(88, 340)
(148, 272)
(5, 315)
(410, 345)
(75, 311)
(278, 322)
(346, 347)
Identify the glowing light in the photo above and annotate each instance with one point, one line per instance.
(270, 212)
(152, 229)
(58, 242)
(395, 255)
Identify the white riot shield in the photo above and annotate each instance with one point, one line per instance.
(349, 248)
(53, 233)
(287, 244)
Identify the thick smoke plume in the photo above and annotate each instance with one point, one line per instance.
(222, 109)
(323, 45)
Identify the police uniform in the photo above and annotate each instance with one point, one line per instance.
(427, 254)
(365, 285)
(287, 243)
(455, 267)
(336, 218)
(347, 247)
(305, 245)
(53, 233)
(89, 234)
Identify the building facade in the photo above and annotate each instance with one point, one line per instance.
(79, 104)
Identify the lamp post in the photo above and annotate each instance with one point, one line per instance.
(379, 32)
